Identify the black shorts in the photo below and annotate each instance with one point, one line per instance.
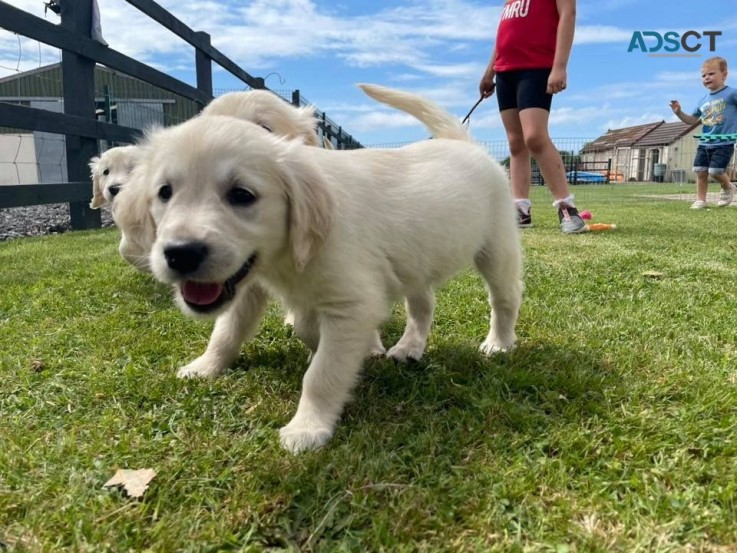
(523, 89)
(713, 159)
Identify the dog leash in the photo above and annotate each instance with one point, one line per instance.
(468, 116)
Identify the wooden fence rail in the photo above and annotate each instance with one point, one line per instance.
(80, 54)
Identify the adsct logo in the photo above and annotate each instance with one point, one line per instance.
(673, 44)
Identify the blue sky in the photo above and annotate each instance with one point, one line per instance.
(437, 48)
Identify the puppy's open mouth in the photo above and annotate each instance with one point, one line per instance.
(207, 296)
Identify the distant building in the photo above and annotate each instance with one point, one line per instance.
(39, 157)
(654, 151)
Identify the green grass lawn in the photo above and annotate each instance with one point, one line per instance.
(611, 427)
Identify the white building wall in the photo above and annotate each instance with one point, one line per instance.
(18, 159)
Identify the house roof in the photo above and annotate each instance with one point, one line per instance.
(621, 138)
(667, 133)
(51, 78)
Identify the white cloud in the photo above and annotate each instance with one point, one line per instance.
(631, 121)
(671, 77)
(459, 70)
(576, 116)
(382, 120)
(597, 34)
(263, 32)
(18, 54)
(437, 48)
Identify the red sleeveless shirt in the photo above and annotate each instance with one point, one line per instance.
(526, 35)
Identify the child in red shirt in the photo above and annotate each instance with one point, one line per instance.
(527, 66)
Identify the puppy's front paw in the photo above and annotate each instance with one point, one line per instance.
(297, 436)
(405, 351)
(490, 347)
(200, 368)
(377, 349)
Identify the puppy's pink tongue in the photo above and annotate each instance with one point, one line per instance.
(201, 293)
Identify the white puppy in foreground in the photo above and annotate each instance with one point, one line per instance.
(337, 235)
(112, 170)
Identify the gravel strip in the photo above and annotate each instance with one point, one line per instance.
(38, 220)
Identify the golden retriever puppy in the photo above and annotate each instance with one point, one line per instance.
(109, 172)
(268, 110)
(130, 212)
(338, 236)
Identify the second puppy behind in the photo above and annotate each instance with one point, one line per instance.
(113, 170)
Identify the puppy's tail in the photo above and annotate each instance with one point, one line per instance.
(439, 122)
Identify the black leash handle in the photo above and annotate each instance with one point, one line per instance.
(468, 116)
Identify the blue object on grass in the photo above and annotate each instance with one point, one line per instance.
(585, 177)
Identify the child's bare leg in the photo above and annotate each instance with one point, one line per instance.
(534, 122)
(520, 172)
(723, 179)
(702, 185)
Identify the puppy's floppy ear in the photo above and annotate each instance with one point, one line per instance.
(132, 216)
(98, 200)
(310, 207)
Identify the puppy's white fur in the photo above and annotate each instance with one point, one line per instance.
(110, 171)
(268, 110)
(439, 122)
(338, 235)
(130, 210)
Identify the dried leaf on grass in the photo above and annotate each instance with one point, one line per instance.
(134, 482)
(653, 274)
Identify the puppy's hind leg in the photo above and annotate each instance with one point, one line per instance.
(329, 380)
(500, 264)
(232, 328)
(420, 307)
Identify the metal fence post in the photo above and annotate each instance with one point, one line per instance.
(572, 169)
(78, 74)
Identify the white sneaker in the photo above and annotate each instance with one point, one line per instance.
(698, 204)
(725, 198)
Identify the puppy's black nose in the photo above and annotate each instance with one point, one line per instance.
(114, 189)
(185, 257)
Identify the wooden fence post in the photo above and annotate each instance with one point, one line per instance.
(203, 65)
(78, 74)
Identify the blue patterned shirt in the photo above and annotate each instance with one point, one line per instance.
(718, 113)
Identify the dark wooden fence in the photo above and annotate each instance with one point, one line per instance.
(80, 54)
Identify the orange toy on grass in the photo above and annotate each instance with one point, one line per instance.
(595, 227)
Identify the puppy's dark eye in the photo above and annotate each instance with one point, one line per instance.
(240, 197)
(165, 192)
(106, 172)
